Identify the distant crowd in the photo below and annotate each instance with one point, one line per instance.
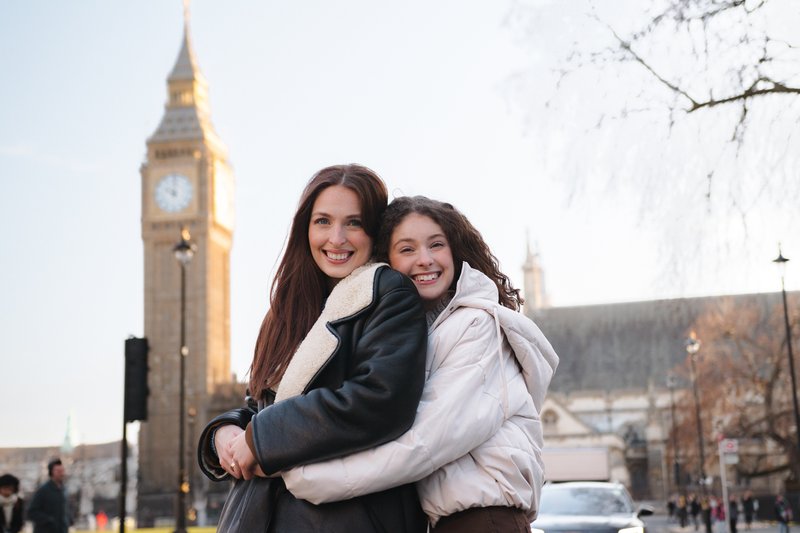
(710, 511)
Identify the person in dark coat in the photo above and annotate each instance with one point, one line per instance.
(783, 512)
(339, 367)
(11, 505)
(733, 513)
(48, 509)
(682, 511)
(694, 510)
(671, 506)
(749, 508)
(705, 512)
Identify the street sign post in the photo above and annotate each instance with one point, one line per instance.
(728, 455)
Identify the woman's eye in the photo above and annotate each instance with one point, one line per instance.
(354, 223)
(437, 245)
(321, 220)
(406, 250)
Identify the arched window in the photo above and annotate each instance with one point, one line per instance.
(549, 420)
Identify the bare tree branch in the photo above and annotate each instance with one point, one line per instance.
(751, 92)
(626, 46)
(755, 90)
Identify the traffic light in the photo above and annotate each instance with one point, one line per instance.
(136, 390)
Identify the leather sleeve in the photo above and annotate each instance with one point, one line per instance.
(375, 403)
(206, 456)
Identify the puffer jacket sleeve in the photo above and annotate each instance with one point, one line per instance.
(456, 414)
(207, 459)
(375, 404)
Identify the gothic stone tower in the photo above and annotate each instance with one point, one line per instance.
(186, 182)
(534, 291)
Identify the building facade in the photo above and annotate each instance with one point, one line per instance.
(611, 387)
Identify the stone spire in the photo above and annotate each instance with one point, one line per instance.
(70, 437)
(186, 65)
(535, 296)
(187, 114)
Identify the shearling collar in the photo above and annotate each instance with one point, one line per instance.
(351, 295)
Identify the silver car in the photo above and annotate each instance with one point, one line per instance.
(596, 507)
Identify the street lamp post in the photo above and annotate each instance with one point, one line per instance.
(675, 463)
(692, 346)
(191, 513)
(184, 251)
(781, 262)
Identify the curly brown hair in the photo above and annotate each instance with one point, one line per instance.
(299, 286)
(464, 239)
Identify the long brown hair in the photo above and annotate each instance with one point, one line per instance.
(299, 286)
(464, 239)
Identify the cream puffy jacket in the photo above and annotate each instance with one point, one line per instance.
(477, 438)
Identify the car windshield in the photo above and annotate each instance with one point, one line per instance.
(584, 501)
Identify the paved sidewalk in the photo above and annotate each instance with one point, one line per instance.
(760, 526)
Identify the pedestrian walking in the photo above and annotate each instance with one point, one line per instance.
(48, 510)
(694, 510)
(719, 515)
(783, 512)
(733, 513)
(749, 508)
(682, 511)
(705, 511)
(12, 515)
(671, 506)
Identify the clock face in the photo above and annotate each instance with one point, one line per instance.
(173, 193)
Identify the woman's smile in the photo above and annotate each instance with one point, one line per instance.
(336, 236)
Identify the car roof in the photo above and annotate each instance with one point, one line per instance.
(585, 484)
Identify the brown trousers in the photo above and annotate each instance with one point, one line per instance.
(485, 520)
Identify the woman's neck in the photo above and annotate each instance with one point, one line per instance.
(433, 308)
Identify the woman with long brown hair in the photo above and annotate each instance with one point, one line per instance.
(338, 368)
(475, 446)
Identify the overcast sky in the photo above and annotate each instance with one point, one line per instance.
(420, 91)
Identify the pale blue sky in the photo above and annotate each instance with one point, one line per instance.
(419, 91)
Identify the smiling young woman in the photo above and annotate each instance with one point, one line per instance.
(475, 446)
(338, 367)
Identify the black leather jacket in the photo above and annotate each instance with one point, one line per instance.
(364, 394)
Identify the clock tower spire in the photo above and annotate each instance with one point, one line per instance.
(187, 114)
(535, 296)
(186, 182)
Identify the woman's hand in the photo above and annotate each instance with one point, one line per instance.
(245, 464)
(222, 439)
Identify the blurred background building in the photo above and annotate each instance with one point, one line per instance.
(623, 371)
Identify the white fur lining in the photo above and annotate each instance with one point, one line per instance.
(348, 297)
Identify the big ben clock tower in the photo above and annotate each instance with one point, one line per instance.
(186, 183)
